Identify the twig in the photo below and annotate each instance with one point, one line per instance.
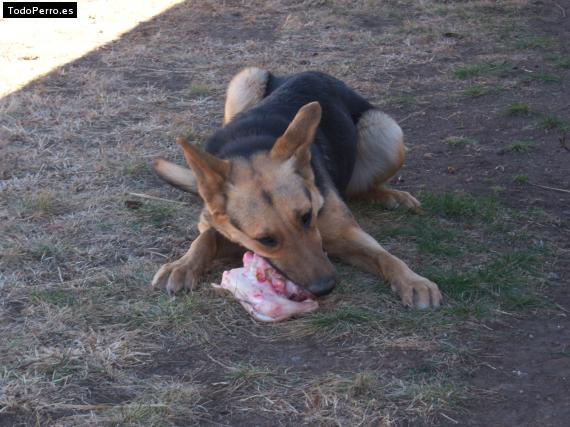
(102, 406)
(563, 142)
(146, 196)
(562, 190)
(416, 113)
(447, 417)
(218, 362)
(504, 312)
(561, 9)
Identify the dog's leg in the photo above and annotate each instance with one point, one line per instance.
(380, 154)
(245, 90)
(185, 272)
(343, 238)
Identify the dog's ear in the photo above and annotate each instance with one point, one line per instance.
(296, 141)
(211, 174)
(177, 176)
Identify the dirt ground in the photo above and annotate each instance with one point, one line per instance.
(481, 90)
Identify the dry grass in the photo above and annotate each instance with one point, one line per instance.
(85, 342)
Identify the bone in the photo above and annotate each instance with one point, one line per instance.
(265, 294)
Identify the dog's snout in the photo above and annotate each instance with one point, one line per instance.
(323, 286)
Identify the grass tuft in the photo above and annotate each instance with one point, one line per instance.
(520, 146)
(138, 169)
(157, 213)
(533, 42)
(478, 70)
(516, 109)
(40, 204)
(459, 141)
(200, 91)
(552, 122)
(542, 77)
(344, 318)
(563, 62)
(460, 206)
(521, 178)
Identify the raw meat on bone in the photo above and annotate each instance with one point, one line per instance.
(265, 293)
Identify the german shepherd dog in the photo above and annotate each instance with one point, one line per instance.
(274, 177)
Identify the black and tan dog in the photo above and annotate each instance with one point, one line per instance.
(274, 177)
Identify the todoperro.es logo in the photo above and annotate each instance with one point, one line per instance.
(39, 9)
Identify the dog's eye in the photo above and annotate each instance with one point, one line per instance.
(306, 219)
(268, 241)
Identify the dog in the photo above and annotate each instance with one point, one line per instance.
(274, 178)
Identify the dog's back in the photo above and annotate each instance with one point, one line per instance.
(335, 147)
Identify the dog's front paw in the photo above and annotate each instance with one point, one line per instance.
(175, 277)
(418, 292)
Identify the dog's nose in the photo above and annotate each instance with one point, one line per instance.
(322, 286)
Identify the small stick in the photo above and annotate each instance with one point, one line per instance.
(563, 142)
(102, 406)
(561, 10)
(411, 115)
(562, 190)
(449, 418)
(146, 196)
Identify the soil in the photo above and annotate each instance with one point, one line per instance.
(526, 359)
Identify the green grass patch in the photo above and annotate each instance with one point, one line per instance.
(475, 91)
(194, 137)
(499, 283)
(563, 62)
(459, 141)
(460, 206)
(516, 109)
(542, 77)
(520, 146)
(401, 100)
(478, 70)
(40, 203)
(532, 41)
(200, 91)
(137, 169)
(41, 249)
(433, 238)
(249, 375)
(520, 178)
(57, 297)
(157, 213)
(551, 122)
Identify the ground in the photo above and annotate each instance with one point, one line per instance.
(480, 89)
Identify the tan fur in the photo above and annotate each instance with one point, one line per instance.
(176, 175)
(380, 151)
(245, 90)
(247, 200)
(343, 238)
(267, 194)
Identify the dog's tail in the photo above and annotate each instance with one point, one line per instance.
(246, 89)
(177, 176)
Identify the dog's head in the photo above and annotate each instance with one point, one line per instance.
(267, 203)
